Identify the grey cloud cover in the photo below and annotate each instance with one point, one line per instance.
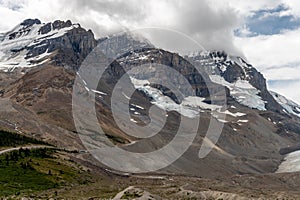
(210, 22)
(211, 27)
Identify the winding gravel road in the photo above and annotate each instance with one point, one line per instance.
(24, 147)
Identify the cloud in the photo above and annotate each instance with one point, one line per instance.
(210, 22)
(11, 14)
(294, 6)
(246, 8)
(272, 50)
(277, 57)
(288, 88)
(269, 22)
(212, 27)
(269, 37)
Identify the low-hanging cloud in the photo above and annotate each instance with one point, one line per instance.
(277, 57)
(211, 27)
(210, 22)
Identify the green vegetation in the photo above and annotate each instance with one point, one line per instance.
(27, 171)
(9, 139)
(115, 139)
(41, 112)
(17, 173)
(131, 195)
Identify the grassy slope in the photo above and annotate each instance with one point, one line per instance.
(37, 172)
(9, 139)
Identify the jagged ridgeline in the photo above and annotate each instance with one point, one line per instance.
(33, 43)
(39, 63)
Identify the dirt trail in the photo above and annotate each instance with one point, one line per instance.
(24, 147)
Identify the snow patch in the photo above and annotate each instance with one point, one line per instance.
(222, 120)
(291, 163)
(242, 91)
(99, 92)
(288, 105)
(190, 106)
(162, 101)
(13, 51)
(1, 55)
(137, 106)
(132, 120)
(87, 89)
(128, 98)
(194, 101)
(242, 121)
(237, 114)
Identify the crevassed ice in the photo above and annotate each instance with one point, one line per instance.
(190, 106)
(242, 91)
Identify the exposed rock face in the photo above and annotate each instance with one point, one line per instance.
(198, 79)
(61, 24)
(232, 69)
(25, 29)
(30, 22)
(250, 143)
(32, 43)
(119, 44)
(288, 105)
(73, 46)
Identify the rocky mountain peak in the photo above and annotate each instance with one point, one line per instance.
(66, 44)
(247, 85)
(30, 22)
(32, 43)
(119, 44)
(55, 25)
(255, 127)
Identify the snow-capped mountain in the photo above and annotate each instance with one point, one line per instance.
(32, 43)
(117, 45)
(288, 105)
(254, 122)
(219, 67)
(246, 85)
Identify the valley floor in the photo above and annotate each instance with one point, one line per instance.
(271, 186)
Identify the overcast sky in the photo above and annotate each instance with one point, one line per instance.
(266, 32)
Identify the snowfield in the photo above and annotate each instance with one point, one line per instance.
(291, 163)
(242, 91)
(288, 105)
(190, 106)
(13, 51)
